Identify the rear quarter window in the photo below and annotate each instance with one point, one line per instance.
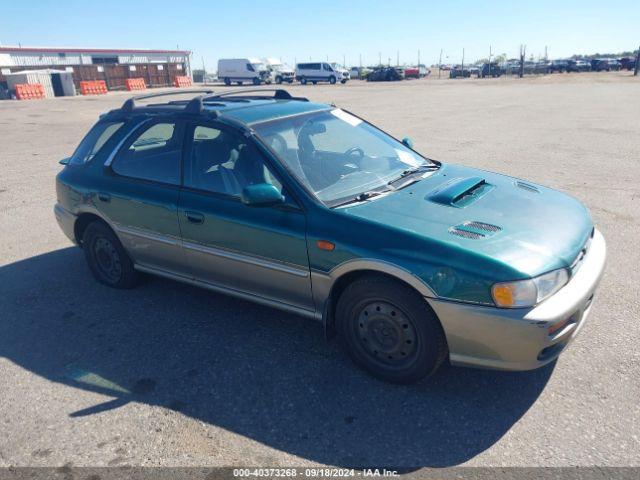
(93, 142)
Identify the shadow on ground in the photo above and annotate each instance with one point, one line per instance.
(258, 372)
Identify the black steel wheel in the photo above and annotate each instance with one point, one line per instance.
(107, 259)
(390, 330)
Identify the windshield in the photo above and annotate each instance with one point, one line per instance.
(338, 156)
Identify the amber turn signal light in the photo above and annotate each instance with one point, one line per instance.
(325, 245)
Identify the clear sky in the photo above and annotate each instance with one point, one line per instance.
(304, 29)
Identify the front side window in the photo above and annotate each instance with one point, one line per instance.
(338, 156)
(224, 162)
(154, 154)
(327, 67)
(94, 141)
(250, 67)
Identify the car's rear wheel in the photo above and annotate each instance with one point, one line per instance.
(303, 81)
(106, 257)
(227, 81)
(389, 330)
(256, 81)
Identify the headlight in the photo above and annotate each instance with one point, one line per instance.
(527, 293)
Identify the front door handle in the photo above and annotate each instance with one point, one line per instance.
(194, 217)
(104, 197)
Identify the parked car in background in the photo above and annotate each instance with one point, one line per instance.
(491, 70)
(384, 74)
(240, 70)
(358, 73)
(512, 67)
(557, 66)
(459, 72)
(627, 63)
(302, 206)
(578, 66)
(280, 72)
(341, 69)
(605, 65)
(411, 72)
(320, 72)
(475, 70)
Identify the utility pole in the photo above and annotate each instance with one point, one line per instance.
(360, 60)
(546, 53)
(489, 61)
(523, 53)
(418, 63)
(398, 58)
(344, 61)
(440, 64)
(635, 70)
(380, 58)
(462, 62)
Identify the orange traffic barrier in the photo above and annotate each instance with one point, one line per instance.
(29, 91)
(182, 82)
(93, 87)
(135, 84)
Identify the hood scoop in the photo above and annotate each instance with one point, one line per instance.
(474, 230)
(460, 192)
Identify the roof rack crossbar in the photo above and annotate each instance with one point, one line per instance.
(130, 104)
(278, 94)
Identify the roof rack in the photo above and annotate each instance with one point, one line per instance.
(278, 94)
(130, 104)
(197, 104)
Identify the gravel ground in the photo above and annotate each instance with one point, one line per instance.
(172, 375)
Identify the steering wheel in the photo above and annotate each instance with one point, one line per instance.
(277, 143)
(360, 153)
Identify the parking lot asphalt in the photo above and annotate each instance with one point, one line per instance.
(168, 374)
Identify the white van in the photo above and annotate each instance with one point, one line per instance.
(242, 70)
(320, 72)
(280, 72)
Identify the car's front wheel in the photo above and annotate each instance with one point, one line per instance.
(106, 257)
(389, 330)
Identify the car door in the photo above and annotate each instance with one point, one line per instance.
(260, 251)
(139, 196)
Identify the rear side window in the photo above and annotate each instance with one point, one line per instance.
(94, 141)
(154, 154)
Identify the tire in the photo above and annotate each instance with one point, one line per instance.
(239, 83)
(332, 80)
(343, 81)
(303, 81)
(315, 82)
(278, 80)
(227, 81)
(108, 261)
(389, 330)
(256, 81)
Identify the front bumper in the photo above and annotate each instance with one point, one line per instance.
(519, 339)
(66, 221)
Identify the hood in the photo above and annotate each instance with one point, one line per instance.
(527, 227)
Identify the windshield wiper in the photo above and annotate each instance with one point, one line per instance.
(414, 170)
(361, 197)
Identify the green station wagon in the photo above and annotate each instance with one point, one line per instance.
(306, 207)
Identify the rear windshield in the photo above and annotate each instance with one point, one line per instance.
(94, 141)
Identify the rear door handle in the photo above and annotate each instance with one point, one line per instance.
(104, 197)
(194, 217)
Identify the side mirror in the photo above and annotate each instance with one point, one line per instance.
(407, 142)
(261, 195)
(65, 161)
